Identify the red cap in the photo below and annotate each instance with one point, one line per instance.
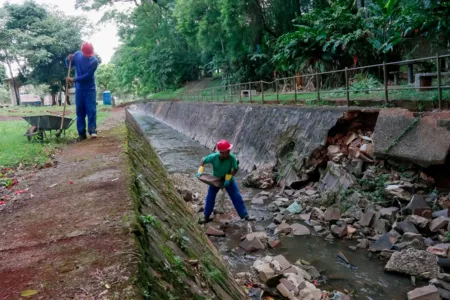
(87, 49)
(224, 145)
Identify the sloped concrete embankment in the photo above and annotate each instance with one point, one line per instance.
(264, 136)
(292, 138)
(178, 259)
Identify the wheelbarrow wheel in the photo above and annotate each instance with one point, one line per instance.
(31, 132)
(40, 135)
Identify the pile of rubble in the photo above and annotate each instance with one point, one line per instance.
(276, 276)
(390, 209)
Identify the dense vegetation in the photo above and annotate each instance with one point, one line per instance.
(168, 42)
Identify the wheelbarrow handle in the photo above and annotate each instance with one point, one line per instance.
(71, 122)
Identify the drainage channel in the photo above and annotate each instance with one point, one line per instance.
(366, 279)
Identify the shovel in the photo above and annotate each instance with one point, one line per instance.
(59, 131)
(218, 183)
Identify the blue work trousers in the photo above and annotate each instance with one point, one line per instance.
(235, 195)
(86, 103)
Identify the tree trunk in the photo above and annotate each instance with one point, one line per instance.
(53, 100)
(16, 89)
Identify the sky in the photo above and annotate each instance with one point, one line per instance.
(104, 39)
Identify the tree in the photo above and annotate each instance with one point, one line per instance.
(2, 74)
(172, 41)
(38, 40)
(106, 78)
(65, 35)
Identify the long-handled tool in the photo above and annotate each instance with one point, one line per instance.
(58, 132)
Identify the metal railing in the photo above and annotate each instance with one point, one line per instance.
(292, 90)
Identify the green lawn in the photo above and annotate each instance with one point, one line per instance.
(22, 111)
(220, 95)
(15, 148)
(170, 94)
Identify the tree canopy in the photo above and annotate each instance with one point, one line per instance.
(38, 39)
(168, 42)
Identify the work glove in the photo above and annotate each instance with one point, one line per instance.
(228, 179)
(200, 171)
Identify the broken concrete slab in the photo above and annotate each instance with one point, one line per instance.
(351, 230)
(260, 264)
(259, 200)
(417, 201)
(445, 294)
(367, 218)
(288, 284)
(409, 237)
(311, 270)
(438, 251)
(261, 235)
(363, 244)
(336, 179)
(339, 231)
(381, 226)
(405, 226)
(438, 223)
(278, 219)
(211, 231)
(413, 262)
(265, 273)
(252, 245)
(429, 292)
(275, 244)
(304, 217)
(332, 213)
(441, 213)
(283, 262)
(291, 270)
(283, 228)
(310, 192)
(355, 212)
(299, 229)
(316, 214)
(424, 143)
(389, 213)
(385, 242)
(419, 221)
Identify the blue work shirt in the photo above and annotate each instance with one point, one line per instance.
(85, 68)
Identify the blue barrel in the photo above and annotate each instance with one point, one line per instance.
(106, 98)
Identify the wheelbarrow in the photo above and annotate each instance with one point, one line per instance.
(40, 124)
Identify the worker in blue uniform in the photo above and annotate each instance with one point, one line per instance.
(85, 64)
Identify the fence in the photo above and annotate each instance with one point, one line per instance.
(342, 87)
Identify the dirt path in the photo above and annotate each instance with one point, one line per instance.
(69, 236)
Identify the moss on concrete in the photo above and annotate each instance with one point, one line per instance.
(168, 235)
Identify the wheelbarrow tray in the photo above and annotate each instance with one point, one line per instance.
(212, 180)
(48, 122)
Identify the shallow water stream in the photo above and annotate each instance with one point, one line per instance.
(367, 279)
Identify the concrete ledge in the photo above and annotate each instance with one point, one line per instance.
(426, 143)
(261, 134)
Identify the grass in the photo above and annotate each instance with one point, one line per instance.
(170, 94)
(22, 111)
(15, 148)
(329, 95)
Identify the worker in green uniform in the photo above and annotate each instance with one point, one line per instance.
(225, 166)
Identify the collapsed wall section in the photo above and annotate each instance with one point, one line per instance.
(264, 136)
(178, 261)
